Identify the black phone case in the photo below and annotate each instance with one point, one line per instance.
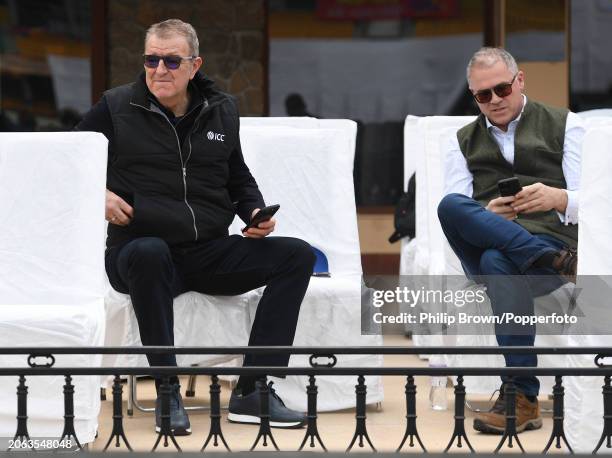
(509, 187)
(263, 215)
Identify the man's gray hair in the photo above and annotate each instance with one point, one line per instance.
(171, 27)
(487, 57)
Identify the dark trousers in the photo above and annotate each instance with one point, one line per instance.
(153, 274)
(500, 253)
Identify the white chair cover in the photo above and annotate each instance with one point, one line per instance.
(52, 270)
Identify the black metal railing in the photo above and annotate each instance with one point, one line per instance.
(265, 438)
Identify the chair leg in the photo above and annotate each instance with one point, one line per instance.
(475, 409)
(191, 385)
(131, 389)
(132, 401)
(133, 397)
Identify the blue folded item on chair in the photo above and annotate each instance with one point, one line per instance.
(321, 266)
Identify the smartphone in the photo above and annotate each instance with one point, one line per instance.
(262, 215)
(509, 187)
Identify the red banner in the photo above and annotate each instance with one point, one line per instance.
(357, 10)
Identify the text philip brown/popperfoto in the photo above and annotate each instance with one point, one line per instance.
(465, 318)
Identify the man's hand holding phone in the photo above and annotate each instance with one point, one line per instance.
(504, 205)
(262, 223)
(540, 198)
(533, 198)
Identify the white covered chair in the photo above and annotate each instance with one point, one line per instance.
(306, 166)
(52, 188)
(583, 398)
(428, 252)
(426, 146)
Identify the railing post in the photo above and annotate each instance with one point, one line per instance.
(165, 430)
(215, 415)
(510, 431)
(360, 429)
(264, 417)
(558, 416)
(312, 432)
(411, 427)
(69, 412)
(22, 411)
(607, 428)
(117, 432)
(459, 431)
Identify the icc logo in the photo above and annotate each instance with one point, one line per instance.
(214, 136)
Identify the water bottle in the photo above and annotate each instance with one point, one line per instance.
(437, 393)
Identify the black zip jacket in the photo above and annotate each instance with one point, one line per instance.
(185, 177)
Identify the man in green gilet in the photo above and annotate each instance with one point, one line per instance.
(503, 241)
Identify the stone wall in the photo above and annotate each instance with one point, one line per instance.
(232, 38)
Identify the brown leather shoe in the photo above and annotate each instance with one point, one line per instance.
(566, 263)
(494, 421)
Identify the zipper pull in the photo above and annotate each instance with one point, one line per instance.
(184, 172)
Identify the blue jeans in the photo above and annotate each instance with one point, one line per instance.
(500, 253)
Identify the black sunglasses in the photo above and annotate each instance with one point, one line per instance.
(171, 62)
(501, 90)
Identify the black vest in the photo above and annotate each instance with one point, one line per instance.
(178, 189)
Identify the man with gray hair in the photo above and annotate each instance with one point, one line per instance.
(176, 177)
(506, 233)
